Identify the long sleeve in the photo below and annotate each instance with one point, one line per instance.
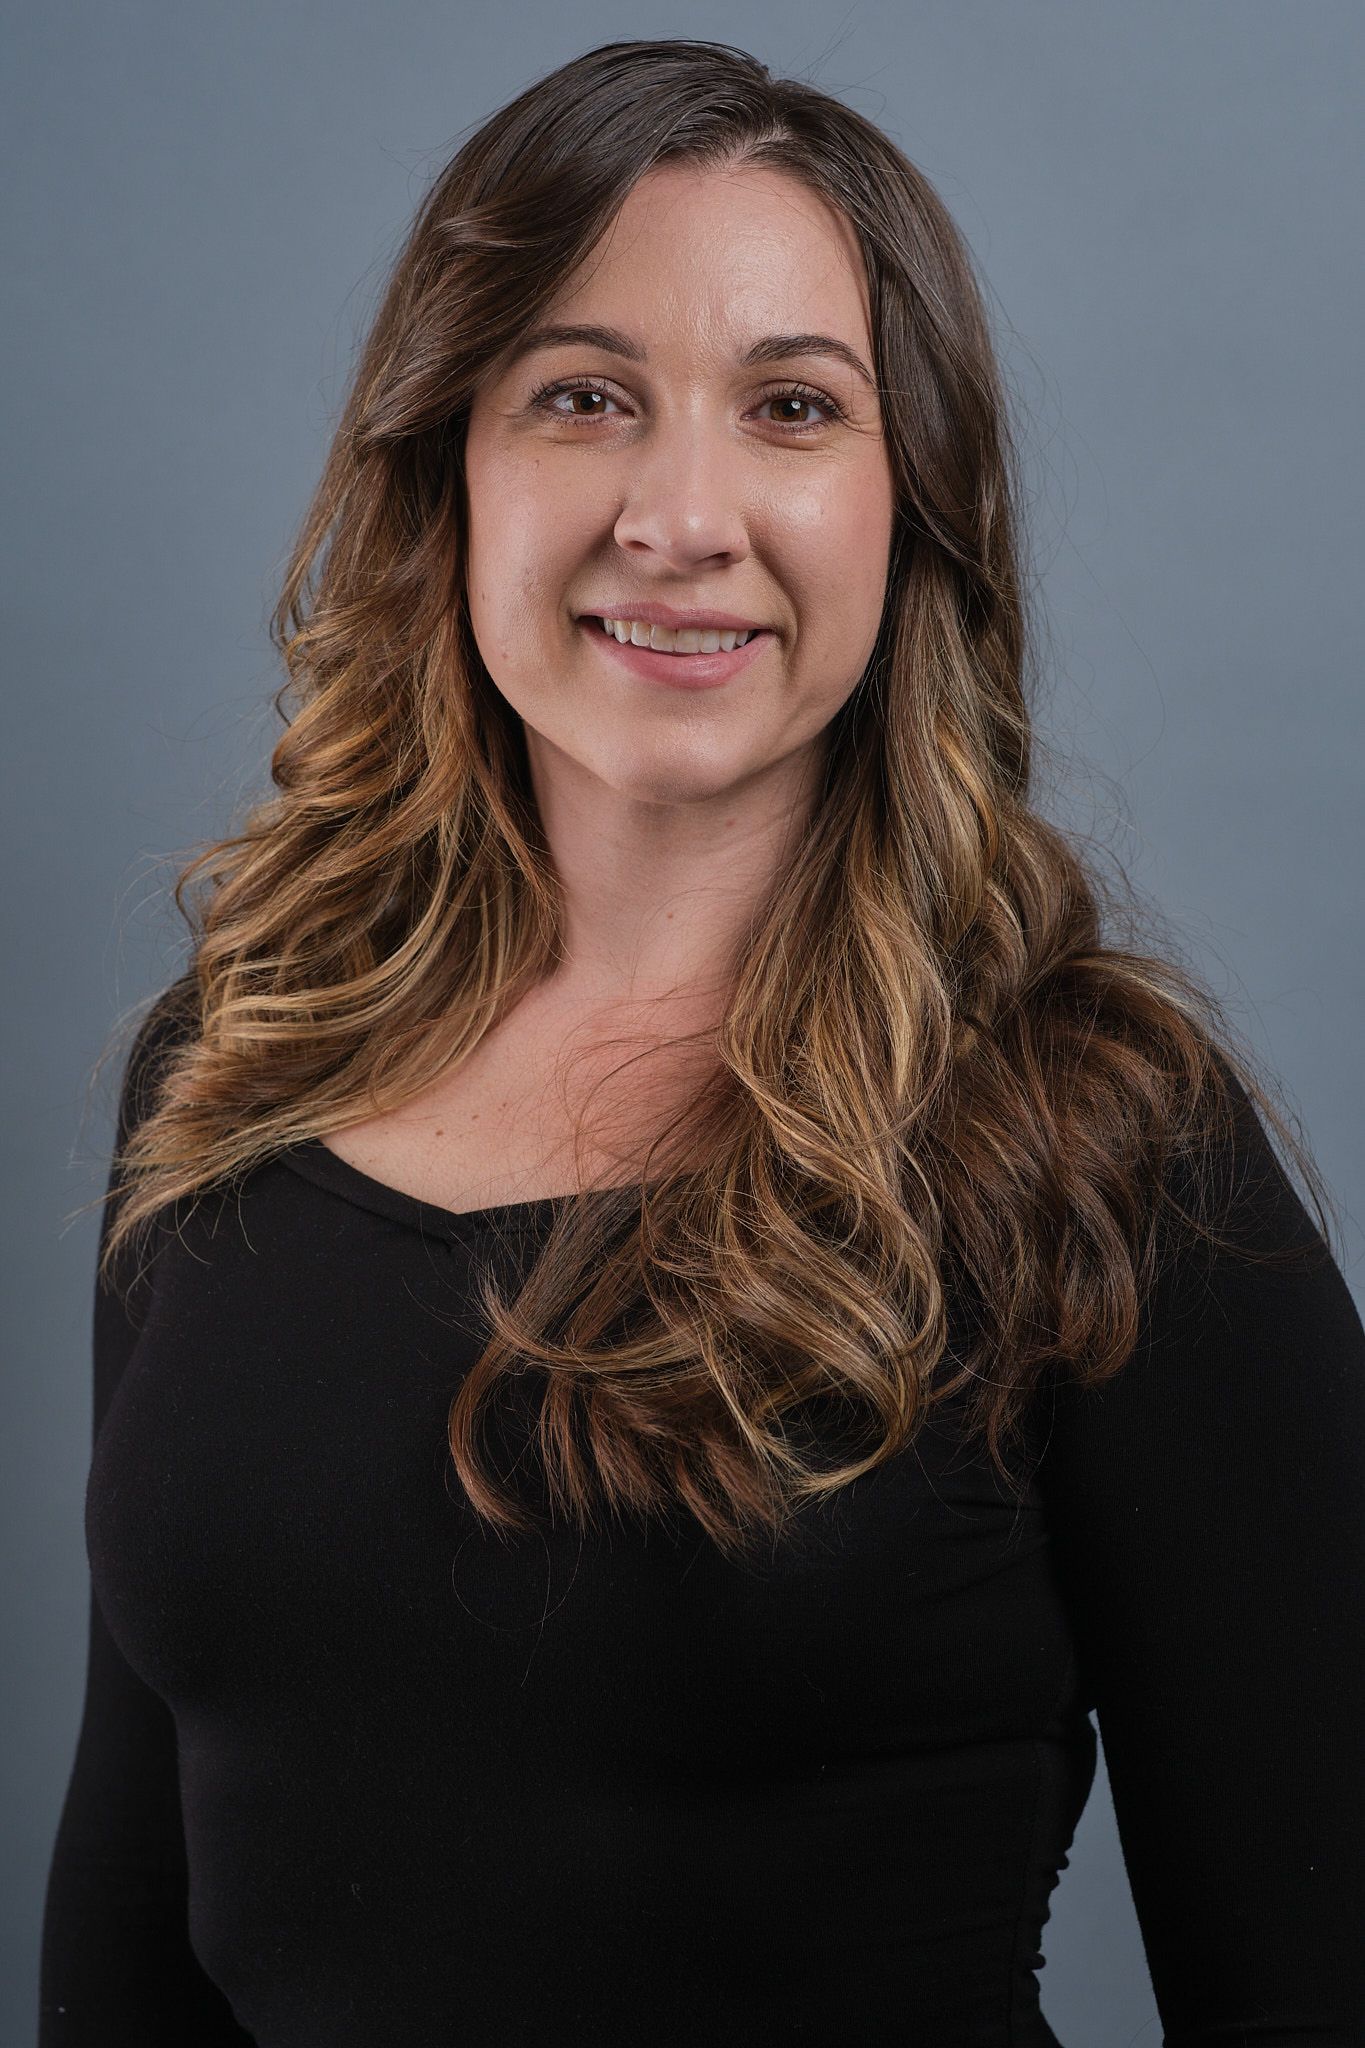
(1208, 1510)
(117, 1969)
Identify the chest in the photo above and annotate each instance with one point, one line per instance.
(547, 1103)
(271, 1505)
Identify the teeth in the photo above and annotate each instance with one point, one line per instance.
(667, 640)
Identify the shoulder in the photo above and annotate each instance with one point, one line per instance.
(1233, 1183)
(1249, 1350)
(170, 1022)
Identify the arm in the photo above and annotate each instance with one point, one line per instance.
(117, 1968)
(1208, 1511)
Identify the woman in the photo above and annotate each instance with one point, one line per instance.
(675, 1316)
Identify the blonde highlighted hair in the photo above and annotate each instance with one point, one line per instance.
(955, 1091)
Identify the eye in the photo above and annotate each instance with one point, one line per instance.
(790, 394)
(570, 387)
(807, 395)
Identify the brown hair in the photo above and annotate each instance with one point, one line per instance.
(954, 1089)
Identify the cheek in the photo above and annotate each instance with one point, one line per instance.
(841, 566)
(865, 547)
(525, 542)
(837, 534)
(840, 596)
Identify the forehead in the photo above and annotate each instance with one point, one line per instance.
(713, 258)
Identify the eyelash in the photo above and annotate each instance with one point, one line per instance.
(807, 392)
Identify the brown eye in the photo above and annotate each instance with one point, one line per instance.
(569, 387)
(807, 395)
(790, 398)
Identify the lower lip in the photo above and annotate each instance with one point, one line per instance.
(680, 671)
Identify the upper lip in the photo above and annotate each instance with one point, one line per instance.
(669, 615)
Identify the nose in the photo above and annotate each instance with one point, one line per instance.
(683, 499)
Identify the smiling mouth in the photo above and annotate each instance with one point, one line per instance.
(684, 640)
(678, 669)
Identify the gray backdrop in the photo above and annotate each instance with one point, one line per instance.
(200, 204)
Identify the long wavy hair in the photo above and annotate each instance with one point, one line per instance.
(954, 1090)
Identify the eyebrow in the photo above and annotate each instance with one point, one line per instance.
(770, 348)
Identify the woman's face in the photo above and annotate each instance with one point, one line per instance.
(694, 481)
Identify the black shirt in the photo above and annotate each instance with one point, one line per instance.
(354, 1773)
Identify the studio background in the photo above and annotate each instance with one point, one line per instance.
(200, 205)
